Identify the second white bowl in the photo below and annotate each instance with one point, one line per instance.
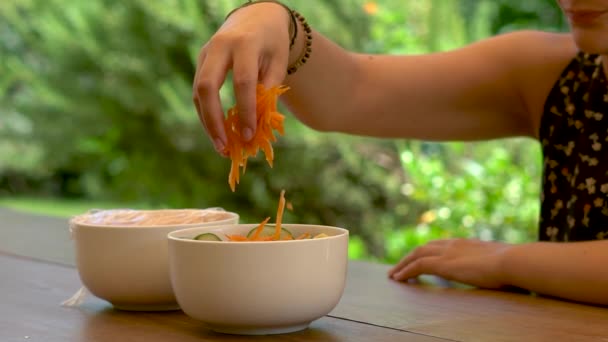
(256, 288)
(129, 265)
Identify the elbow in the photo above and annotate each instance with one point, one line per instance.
(320, 123)
(316, 118)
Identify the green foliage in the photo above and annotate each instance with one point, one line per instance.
(95, 104)
(483, 190)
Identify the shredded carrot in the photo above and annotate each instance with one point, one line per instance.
(277, 232)
(263, 238)
(259, 229)
(237, 237)
(303, 236)
(268, 119)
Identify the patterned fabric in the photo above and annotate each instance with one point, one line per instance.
(574, 137)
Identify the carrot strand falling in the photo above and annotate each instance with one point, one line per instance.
(277, 232)
(258, 230)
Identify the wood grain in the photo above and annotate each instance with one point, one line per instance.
(30, 310)
(440, 310)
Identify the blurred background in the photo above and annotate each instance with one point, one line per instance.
(96, 112)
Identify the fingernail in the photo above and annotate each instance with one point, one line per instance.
(219, 145)
(247, 133)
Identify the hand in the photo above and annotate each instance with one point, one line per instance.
(254, 43)
(472, 262)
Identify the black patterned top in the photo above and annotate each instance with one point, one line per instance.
(574, 137)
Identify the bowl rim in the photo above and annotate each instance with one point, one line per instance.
(171, 235)
(233, 215)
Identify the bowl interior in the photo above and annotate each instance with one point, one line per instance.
(243, 229)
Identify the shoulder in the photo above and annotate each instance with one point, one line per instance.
(536, 53)
(535, 60)
(527, 63)
(527, 45)
(524, 48)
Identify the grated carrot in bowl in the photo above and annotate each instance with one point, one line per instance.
(256, 236)
(268, 119)
(263, 233)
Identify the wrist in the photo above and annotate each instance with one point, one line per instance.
(507, 256)
(299, 44)
(304, 44)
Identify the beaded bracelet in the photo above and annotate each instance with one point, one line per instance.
(293, 30)
(306, 51)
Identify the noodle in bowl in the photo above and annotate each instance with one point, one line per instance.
(152, 218)
(122, 254)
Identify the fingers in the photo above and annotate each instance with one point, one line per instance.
(425, 265)
(275, 71)
(207, 84)
(197, 104)
(245, 78)
(419, 253)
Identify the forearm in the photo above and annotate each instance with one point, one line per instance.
(574, 271)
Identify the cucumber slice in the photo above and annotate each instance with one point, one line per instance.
(269, 230)
(207, 237)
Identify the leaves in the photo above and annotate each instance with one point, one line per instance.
(95, 103)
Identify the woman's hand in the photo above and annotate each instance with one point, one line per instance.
(254, 43)
(472, 262)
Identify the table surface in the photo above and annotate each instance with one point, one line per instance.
(37, 274)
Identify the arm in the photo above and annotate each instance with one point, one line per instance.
(575, 270)
(489, 89)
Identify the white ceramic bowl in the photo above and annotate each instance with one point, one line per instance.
(129, 265)
(256, 288)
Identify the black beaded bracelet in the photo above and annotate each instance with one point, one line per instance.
(307, 50)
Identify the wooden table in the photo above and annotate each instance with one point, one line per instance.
(37, 274)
